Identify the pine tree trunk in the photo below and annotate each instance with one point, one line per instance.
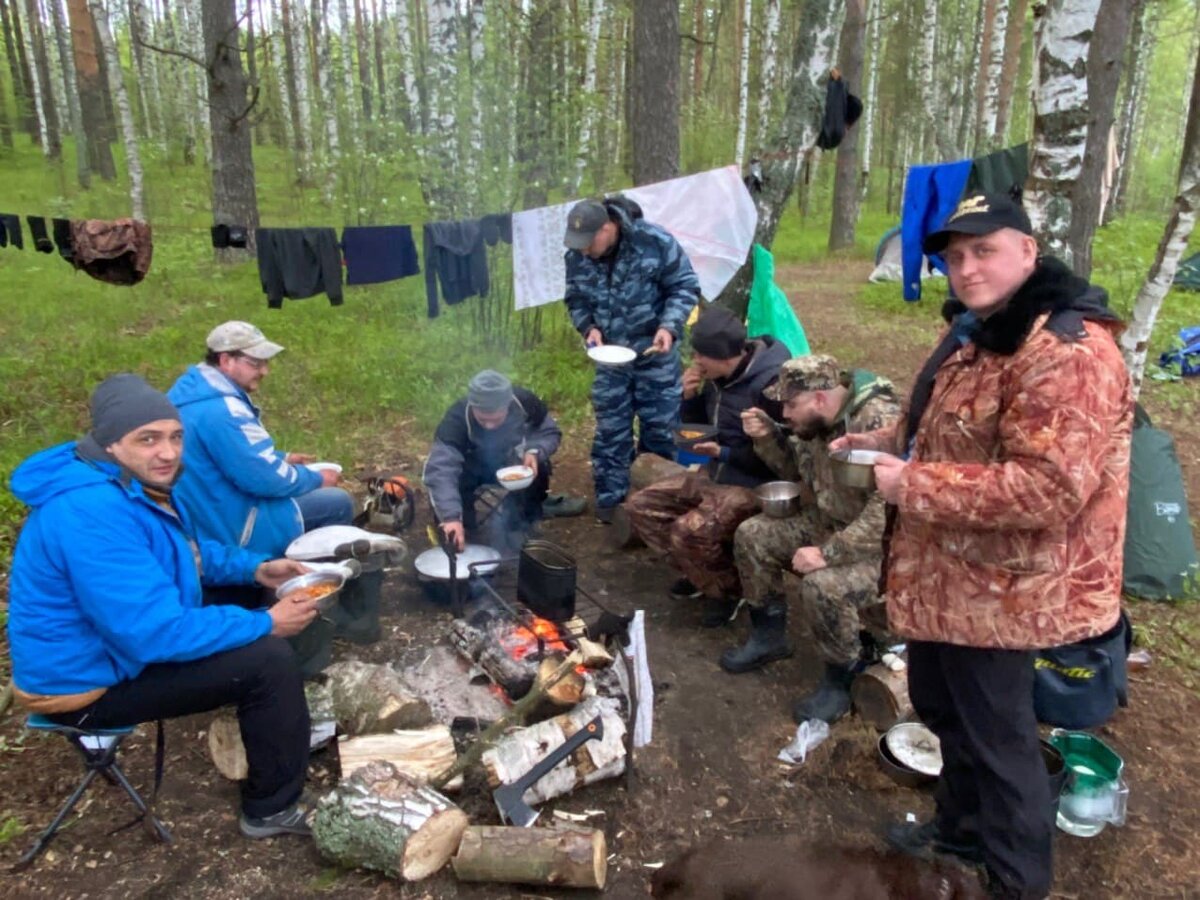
(845, 183)
(234, 196)
(654, 118)
(1060, 122)
(985, 133)
(813, 54)
(133, 159)
(91, 90)
(1104, 74)
(1131, 106)
(83, 171)
(43, 88)
(1135, 341)
(590, 100)
(739, 154)
(18, 67)
(1017, 13)
(768, 76)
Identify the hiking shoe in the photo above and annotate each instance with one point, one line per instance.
(563, 506)
(293, 820)
(924, 839)
(684, 590)
(604, 514)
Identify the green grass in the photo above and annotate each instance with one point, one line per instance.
(10, 827)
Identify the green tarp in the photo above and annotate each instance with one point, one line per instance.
(769, 311)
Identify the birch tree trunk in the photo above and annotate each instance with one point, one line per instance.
(441, 91)
(377, 50)
(297, 85)
(325, 73)
(18, 67)
(845, 184)
(813, 54)
(654, 116)
(970, 99)
(234, 196)
(83, 171)
(364, 60)
(590, 100)
(739, 154)
(1060, 120)
(1135, 341)
(147, 68)
(867, 123)
(40, 85)
(1018, 10)
(408, 100)
(477, 23)
(193, 35)
(347, 59)
(935, 136)
(56, 75)
(768, 72)
(133, 159)
(1131, 106)
(985, 134)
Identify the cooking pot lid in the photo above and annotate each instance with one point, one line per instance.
(434, 563)
(322, 543)
(917, 747)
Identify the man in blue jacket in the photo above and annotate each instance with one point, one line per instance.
(105, 621)
(628, 283)
(236, 487)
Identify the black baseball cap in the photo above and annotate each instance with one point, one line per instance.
(583, 221)
(978, 214)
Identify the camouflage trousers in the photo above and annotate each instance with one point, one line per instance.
(691, 519)
(831, 599)
(651, 389)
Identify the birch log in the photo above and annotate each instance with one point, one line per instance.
(559, 857)
(382, 820)
(595, 760)
(880, 696)
(369, 699)
(421, 754)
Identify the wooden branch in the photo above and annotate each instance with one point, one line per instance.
(562, 857)
(167, 51)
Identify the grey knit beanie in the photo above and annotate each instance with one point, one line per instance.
(489, 391)
(124, 402)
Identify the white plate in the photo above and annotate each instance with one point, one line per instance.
(434, 563)
(863, 457)
(324, 467)
(917, 747)
(611, 355)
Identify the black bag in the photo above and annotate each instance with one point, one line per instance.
(1080, 685)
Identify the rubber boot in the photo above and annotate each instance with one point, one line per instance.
(314, 647)
(830, 700)
(717, 612)
(767, 642)
(357, 612)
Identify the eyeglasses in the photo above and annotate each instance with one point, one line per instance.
(257, 364)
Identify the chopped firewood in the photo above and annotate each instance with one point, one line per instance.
(420, 754)
(881, 696)
(518, 752)
(567, 691)
(595, 656)
(225, 746)
(371, 699)
(383, 820)
(561, 857)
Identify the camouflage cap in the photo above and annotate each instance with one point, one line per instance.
(805, 373)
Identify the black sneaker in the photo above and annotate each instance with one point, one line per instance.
(924, 839)
(293, 820)
(684, 590)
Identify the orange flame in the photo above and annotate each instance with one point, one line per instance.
(522, 641)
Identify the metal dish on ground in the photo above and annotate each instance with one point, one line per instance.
(897, 771)
(916, 747)
(611, 355)
(311, 580)
(514, 478)
(434, 564)
(691, 433)
(855, 468)
(779, 499)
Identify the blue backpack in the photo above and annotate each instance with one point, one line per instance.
(1187, 355)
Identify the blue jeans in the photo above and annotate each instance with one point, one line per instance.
(325, 506)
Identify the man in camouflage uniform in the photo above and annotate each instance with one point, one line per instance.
(834, 543)
(629, 283)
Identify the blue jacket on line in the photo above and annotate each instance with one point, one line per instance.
(236, 488)
(105, 581)
(931, 193)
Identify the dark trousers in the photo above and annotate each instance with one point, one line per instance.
(994, 788)
(261, 679)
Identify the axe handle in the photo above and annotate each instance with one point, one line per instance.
(593, 729)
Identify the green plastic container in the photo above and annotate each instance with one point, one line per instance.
(1095, 794)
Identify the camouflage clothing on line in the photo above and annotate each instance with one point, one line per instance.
(692, 520)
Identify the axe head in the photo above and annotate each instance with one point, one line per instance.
(513, 809)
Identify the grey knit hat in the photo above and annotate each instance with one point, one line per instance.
(122, 403)
(489, 391)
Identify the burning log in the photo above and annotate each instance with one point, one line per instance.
(370, 699)
(562, 857)
(383, 820)
(565, 692)
(479, 646)
(421, 754)
(881, 696)
(517, 753)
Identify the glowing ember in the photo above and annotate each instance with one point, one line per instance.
(522, 641)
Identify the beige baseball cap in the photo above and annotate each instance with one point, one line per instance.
(241, 337)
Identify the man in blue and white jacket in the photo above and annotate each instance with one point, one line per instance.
(236, 487)
(105, 622)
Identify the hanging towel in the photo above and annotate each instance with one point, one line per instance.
(37, 231)
(930, 194)
(10, 231)
(117, 251)
(456, 259)
(298, 263)
(62, 238)
(379, 253)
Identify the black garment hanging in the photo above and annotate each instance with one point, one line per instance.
(10, 231)
(63, 239)
(226, 236)
(376, 253)
(842, 109)
(455, 257)
(37, 231)
(298, 263)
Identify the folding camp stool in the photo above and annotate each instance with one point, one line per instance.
(98, 747)
(490, 497)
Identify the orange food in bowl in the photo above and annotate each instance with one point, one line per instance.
(312, 592)
(691, 435)
(514, 476)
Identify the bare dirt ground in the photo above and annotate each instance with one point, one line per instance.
(711, 770)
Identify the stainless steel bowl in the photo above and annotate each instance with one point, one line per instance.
(779, 499)
(326, 603)
(852, 474)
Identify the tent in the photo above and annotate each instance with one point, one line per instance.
(888, 264)
(1187, 276)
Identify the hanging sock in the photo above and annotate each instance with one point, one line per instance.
(62, 238)
(37, 231)
(10, 231)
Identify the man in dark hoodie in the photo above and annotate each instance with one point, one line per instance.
(692, 518)
(105, 621)
(1007, 485)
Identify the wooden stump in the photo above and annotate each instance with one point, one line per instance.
(370, 699)
(420, 754)
(881, 696)
(225, 746)
(516, 753)
(382, 820)
(562, 857)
